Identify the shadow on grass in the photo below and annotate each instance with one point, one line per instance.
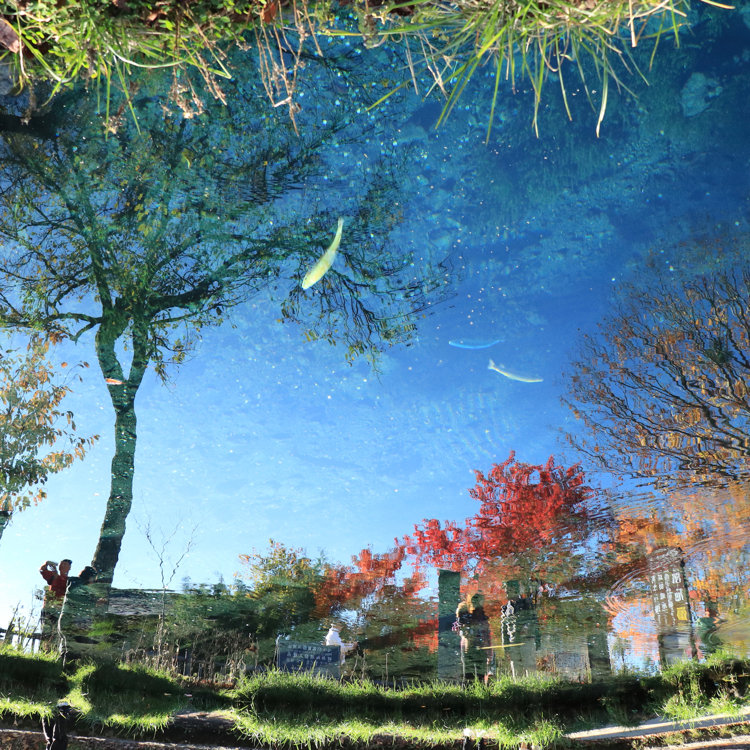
(29, 687)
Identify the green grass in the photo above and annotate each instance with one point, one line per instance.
(519, 40)
(274, 690)
(311, 729)
(29, 686)
(67, 41)
(19, 669)
(719, 686)
(300, 710)
(528, 40)
(135, 700)
(37, 707)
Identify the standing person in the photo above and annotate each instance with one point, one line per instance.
(57, 579)
(461, 626)
(333, 638)
(476, 639)
(85, 577)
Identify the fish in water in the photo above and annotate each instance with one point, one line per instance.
(325, 261)
(473, 343)
(512, 375)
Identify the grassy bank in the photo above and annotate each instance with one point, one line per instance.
(299, 710)
(519, 40)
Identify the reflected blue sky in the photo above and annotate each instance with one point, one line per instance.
(262, 435)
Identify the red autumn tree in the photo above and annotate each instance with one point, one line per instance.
(529, 521)
(369, 577)
(381, 605)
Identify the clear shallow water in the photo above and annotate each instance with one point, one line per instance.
(514, 249)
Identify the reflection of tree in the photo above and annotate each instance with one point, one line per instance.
(711, 527)
(212, 623)
(283, 591)
(718, 525)
(282, 584)
(662, 390)
(531, 525)
(530, 521)
(274, 593)
(351, 586)
(36, 438)
(383, 609)
(144, 237)
(526, 538)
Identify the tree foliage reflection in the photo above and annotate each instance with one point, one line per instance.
(146, 235)
(710, 528)
(530, 523)
(662, 389)
(37, 438)
(283, 583)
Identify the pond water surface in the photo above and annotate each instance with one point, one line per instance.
(565, 314)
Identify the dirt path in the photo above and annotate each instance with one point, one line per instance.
(200, 730)
(659, 726)
(196, 730)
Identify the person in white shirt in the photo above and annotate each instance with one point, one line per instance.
(333, 638)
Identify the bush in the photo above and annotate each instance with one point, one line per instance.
(31, 670)
(112, 678)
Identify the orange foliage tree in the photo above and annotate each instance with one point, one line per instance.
(382, 608)
(372, 577)
(712, 527)
(37, 438)
(717, 524)
(709, 525)
(345, 586)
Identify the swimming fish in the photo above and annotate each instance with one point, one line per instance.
(512, 375)
(473, 343)
(325, 261)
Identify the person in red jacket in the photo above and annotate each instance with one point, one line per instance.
(57, 579)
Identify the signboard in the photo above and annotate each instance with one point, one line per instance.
(309, 657)
(668, 588)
